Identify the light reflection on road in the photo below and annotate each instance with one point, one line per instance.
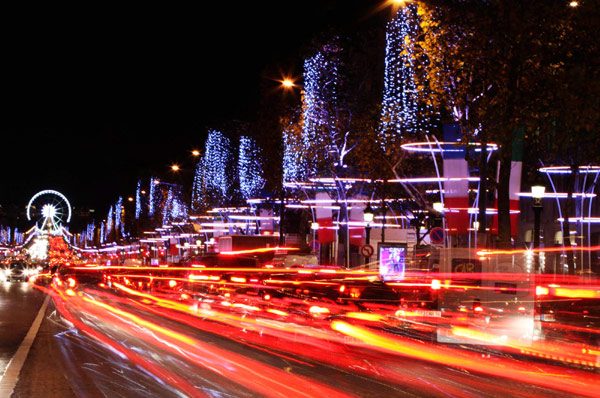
(281, 351)
(19, 303)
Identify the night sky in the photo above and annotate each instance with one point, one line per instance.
(94, 98)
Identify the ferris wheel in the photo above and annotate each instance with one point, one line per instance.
(49, 209)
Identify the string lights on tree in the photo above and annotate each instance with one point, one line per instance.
(89, 234)
(406, 108)
(154, 196)
(138, 200)
(5, 235)
(102, 233)
(118, 217)
(166, 214)
(198, 187)
(250, 171)
(109, 222)
(319, 102)
(295, 166)
(178, 209)
(18, 237)
(214, 175)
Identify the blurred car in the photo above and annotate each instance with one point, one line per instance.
(294, 260)
(225, 261)
(19, 272)
(73, 276)
(569, 319)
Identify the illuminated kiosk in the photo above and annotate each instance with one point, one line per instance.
(50, 210)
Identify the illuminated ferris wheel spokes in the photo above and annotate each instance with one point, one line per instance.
(49, 209)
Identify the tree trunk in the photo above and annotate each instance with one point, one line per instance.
(483, 190)
(504, 241)
(281, 218)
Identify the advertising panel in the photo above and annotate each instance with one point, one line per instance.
(392, 261)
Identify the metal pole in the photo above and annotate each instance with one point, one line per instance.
(281, 218)
(537, 210)
(347, 254)
(384, 209)
(367, 239)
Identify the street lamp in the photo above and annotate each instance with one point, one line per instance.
(368, 215)
(287, 83)
(537, 192)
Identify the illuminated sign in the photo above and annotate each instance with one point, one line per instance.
(392, 261)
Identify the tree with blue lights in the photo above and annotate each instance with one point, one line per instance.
(138, 200)
(154, 196)
(407, 107)
(102, 238)
(119, 226)
(199, 188)
(295, 162)
(215, 173)
(110, 224)
(331, 122)
(408, 110)
(250, 171)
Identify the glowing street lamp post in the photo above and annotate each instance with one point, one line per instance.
(368, 218)
(287, 84)
(537, 192)
(438, 207)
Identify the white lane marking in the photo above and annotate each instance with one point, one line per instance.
(9, 380)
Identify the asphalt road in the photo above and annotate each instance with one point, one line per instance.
(140, 353)
(19, 304)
